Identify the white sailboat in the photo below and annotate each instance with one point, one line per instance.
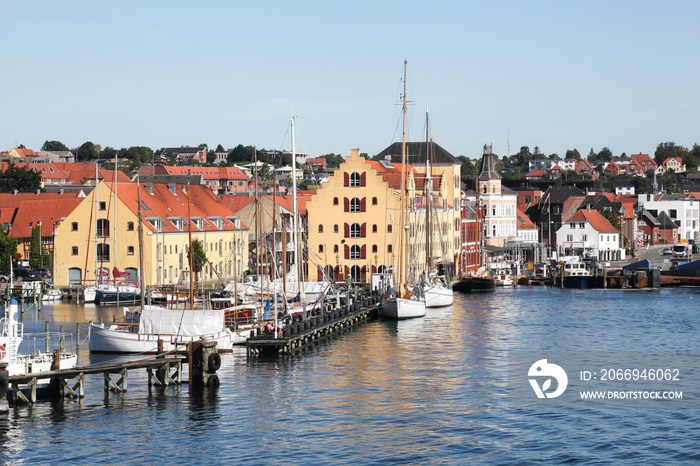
(438, 293)
(408, 300)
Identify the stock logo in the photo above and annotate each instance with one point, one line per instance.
(542, 369)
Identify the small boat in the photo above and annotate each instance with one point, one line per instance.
(572, 273)
(51, 294)
(61, 354)
(175, 327)
(121, 293)
(438, 293)
(502, 277)
(474, 284)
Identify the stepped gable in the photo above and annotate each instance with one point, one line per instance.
(416, 154)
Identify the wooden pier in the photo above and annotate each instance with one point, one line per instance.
(306, 330)
(70, 383)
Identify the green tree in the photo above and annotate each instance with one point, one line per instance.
(265, 173)
(198, 259)
(333, 160)
(8, 251)
(605, 154)
(467, 171)
(573, 154)
(242, 153)
(54, 146)
(19, 178)
(35, 249)
(87, 152)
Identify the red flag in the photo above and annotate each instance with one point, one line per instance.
(487, 149)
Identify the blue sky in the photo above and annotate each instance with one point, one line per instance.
(554, 74)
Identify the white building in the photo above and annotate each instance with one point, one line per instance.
(683, 210)
(589, 234)
(499, 205)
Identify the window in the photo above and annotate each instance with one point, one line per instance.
(389, 228)
(389, 248)
(103, 205)
(335, 201)
(103, 252)
(673, 213)
(320, 228)
(374, 248)
(569, 238)
(102, 228)
(572, 225)
(129, 226)
(74, 226)
(355, 180)
(335, 228)
(320, 248)
(374, 201)
(527, 199)
(355, 230)
(74, 251)
(584, 238)
(335, 248)
(130, 250)
(374, 228)
(355, 204)
(355, 252)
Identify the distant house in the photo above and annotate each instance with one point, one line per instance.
(644, 163)
(315, 163)
(528, 233)
(535, 175)
(185, 154)
(221, 180)
(555, 207)
(612, 169)
(671, 163)
(659, 229)
(624, 188)
(555, 172)
(588, 233)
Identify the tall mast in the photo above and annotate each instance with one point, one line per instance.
(403, 242)
(189, 239)
(294, 206)
(428, 200)
(140, 233)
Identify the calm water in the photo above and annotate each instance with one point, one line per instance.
(428, 391)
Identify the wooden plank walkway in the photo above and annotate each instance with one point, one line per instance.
(24, 387)
(301, 333)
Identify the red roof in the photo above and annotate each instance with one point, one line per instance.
(165, 204)
(49, 211)
(524, 222)
(391, 175)
(595, 219)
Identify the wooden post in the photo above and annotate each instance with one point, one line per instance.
(77, 335)
(4, 383)
(48, 340)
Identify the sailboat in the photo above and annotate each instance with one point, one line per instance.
(438, 292)
(406, 301)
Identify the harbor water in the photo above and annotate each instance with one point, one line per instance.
(426, 391)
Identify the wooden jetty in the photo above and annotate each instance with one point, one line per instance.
(306, 330)
(70, 383)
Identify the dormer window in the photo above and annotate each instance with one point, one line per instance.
(217, 221)
(156, 223)
(178, 222)
(198, 222)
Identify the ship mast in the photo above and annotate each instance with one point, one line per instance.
(403, 242)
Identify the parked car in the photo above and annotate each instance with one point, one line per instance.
(42, 273)
(667, 251)
(21, 273)
(4, 278)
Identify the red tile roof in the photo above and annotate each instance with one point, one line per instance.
(391, 175)
(48, 211)
(595, 219)
(163, 203)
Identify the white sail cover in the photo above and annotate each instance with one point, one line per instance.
(183, 322)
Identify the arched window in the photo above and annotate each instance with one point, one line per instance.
(374, 248)
(389, 248)
(354, 180)
(320, 228)
(484, 189)
(374, 228)
(320, 248)
(389, 228)
(493, 188)
(355, 230)
(374, 201)
(355, 204)
(355, 273)
(335, 201)
(355, 252)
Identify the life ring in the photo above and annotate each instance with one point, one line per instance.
(3, 351)
(213, 363)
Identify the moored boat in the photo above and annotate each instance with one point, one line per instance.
(61, 354)
(175, 327)
(572, 273)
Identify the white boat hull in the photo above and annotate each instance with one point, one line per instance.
(400, 308)
(438, 296)
(115, 339)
